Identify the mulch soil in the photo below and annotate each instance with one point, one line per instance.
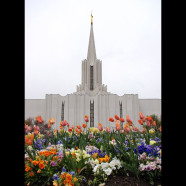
(121, 180)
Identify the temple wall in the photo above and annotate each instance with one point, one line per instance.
(150, 106)
(34, 107)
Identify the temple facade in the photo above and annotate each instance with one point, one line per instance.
(91, 98)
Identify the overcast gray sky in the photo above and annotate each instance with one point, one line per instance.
(127, 37)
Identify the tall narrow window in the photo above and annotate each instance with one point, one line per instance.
(62, 111)
(120, 105)
(121, 113)
(91, 78)
(92, 114)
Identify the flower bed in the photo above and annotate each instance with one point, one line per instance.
(81, 155)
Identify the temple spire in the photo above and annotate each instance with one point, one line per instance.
(91, 55)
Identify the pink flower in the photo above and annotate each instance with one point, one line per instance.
(118, 127)
(29, 128)
(148, 123)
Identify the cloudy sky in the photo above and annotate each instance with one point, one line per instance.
(127, 37)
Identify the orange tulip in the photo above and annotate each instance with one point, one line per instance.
(84, 125)
(111, 119)
(72, 126)
(140, 122)
(39, 119)
(61, 127)
(41, 166)
(78, 126)
(154, 123)
(149, 118)
(100, 127)
(35, 162)
(116, 117)
(160, 129)
(51, 121)
(128, 118)
(108, 129)
(63, 176)
(32, 136)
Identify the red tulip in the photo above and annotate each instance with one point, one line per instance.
(111, 119)
(116, 117)
(149, 118)
(122, 120)
(86, 118)
(70, 129)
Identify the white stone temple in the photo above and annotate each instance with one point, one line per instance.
(92, 99)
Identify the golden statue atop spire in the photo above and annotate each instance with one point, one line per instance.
(91, 18)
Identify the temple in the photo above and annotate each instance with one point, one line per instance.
(91, 98)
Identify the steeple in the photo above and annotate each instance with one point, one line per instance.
(91, 55)
(91, 79)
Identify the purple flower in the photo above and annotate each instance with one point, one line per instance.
(148, 168)
(72, 173)
(53, 163)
